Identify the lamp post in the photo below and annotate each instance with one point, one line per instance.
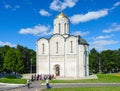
(100, 65)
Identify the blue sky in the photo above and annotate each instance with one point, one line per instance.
(25, 21)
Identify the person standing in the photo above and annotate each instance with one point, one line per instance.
(28, 83)
(47, 83)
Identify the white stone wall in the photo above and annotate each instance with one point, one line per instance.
(57, 60)
(57, 53)
(71, 44)
(71, 65)
(57, 49)
(40, 44)
(83, 62)
(43, 65)
(71, 56)
(42, 56)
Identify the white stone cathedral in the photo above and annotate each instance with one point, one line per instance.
(63, 55)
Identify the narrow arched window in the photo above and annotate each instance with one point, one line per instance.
(71, 44)
(65, 28)
(56, 47)
(59, 27)
(43, 48)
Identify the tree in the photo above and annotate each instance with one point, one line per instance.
(19, 62)
(94, 61)
(17, 59)
(1, 61)
(109, 60)
(27, 55)
(33, 58)
(118, 59)
(3, 51)
(13, 61)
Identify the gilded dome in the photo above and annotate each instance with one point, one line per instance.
(61, 15)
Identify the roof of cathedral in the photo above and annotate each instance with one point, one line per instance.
(82, 41)
(61, 15)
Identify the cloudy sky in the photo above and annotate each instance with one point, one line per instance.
(25, 21)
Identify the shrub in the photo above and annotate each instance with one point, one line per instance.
(10, 76)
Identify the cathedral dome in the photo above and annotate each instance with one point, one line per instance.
(61, 15)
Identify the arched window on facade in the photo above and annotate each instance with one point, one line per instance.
(43, 49)
(71, 48)
(56, 47)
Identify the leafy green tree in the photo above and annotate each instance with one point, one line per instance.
(33, 58)
(94, 61)
(109, 60)
(9, 60)
(118, 59)
(1, 60)
(19, 62)
(13, 61)
(27, 56)
(3, 51)
(17, 59)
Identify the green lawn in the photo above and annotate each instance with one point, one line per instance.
(15, 81)
(102, 78)
(105, 78)
(85, 89)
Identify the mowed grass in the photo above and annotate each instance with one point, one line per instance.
(84, 89)
(102, 78)
(14, 81)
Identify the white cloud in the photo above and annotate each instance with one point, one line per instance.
(114, 28)
(44, 12)
(58, 5)
(16, 7)
(101, 44)
(104, 42)
(7, 43)
(103, 37)
(81, 33)
(38, 30)
(116, 4)
(93, 15)
(8, 6)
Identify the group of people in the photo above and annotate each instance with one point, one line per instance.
(40, 78)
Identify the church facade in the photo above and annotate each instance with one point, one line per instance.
(62, 54)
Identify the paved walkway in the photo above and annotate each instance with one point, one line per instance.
(36, 86)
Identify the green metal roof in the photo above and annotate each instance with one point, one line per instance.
(82, 41)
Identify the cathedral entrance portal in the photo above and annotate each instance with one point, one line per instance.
(57, 70)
